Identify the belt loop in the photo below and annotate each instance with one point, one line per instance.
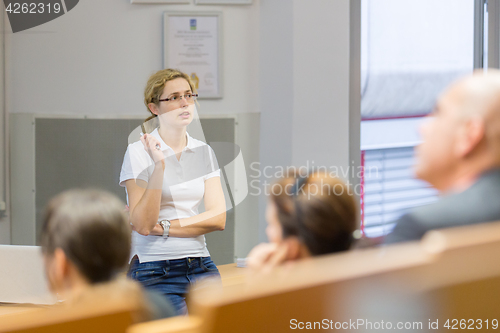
(167, 265)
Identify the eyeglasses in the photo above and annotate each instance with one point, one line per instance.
(190, 98)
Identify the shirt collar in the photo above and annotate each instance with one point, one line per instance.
(163, 146)
(191, 145)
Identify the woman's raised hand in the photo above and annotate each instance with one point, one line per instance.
(152, 147)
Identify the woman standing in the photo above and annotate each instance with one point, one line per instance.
(167, 174)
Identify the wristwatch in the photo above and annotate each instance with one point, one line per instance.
(165, 224)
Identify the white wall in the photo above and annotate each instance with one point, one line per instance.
(291, 60)
(276, 93)
(96, 59)
(321, 58)
(310, 86)
(4, 216)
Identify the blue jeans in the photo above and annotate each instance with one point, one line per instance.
(173, 278)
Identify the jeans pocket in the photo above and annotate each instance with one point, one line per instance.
(208, 265)
(149, 275)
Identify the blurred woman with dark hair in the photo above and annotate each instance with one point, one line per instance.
(306, 216)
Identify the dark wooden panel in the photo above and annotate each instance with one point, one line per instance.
(89, 153)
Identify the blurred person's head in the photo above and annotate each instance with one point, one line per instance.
(461, 139)
(311, 215)
(85, 239)
(162, 97)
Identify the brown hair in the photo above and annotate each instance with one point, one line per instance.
(156, 84)
(318, 209)
(90, 226)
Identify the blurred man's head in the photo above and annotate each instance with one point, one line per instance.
(85, 239)
(462, 138)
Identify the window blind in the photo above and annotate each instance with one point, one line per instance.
(390, 189)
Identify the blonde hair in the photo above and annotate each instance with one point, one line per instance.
(156, 84)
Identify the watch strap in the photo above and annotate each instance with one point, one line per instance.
(166, 227)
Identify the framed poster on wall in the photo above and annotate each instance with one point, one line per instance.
(223, 2)
(160, 1)
(193, 44)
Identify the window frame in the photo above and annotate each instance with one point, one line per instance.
(480, 7)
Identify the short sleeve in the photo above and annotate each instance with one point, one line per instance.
(136, 164)
(212, 166)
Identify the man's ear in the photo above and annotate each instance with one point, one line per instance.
(60, 266)
(153, 108)
(470, 136)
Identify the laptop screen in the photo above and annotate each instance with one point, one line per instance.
(22, 276)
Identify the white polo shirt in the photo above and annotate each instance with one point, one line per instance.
(182, 193)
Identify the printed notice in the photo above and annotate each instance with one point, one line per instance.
(192, 46)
